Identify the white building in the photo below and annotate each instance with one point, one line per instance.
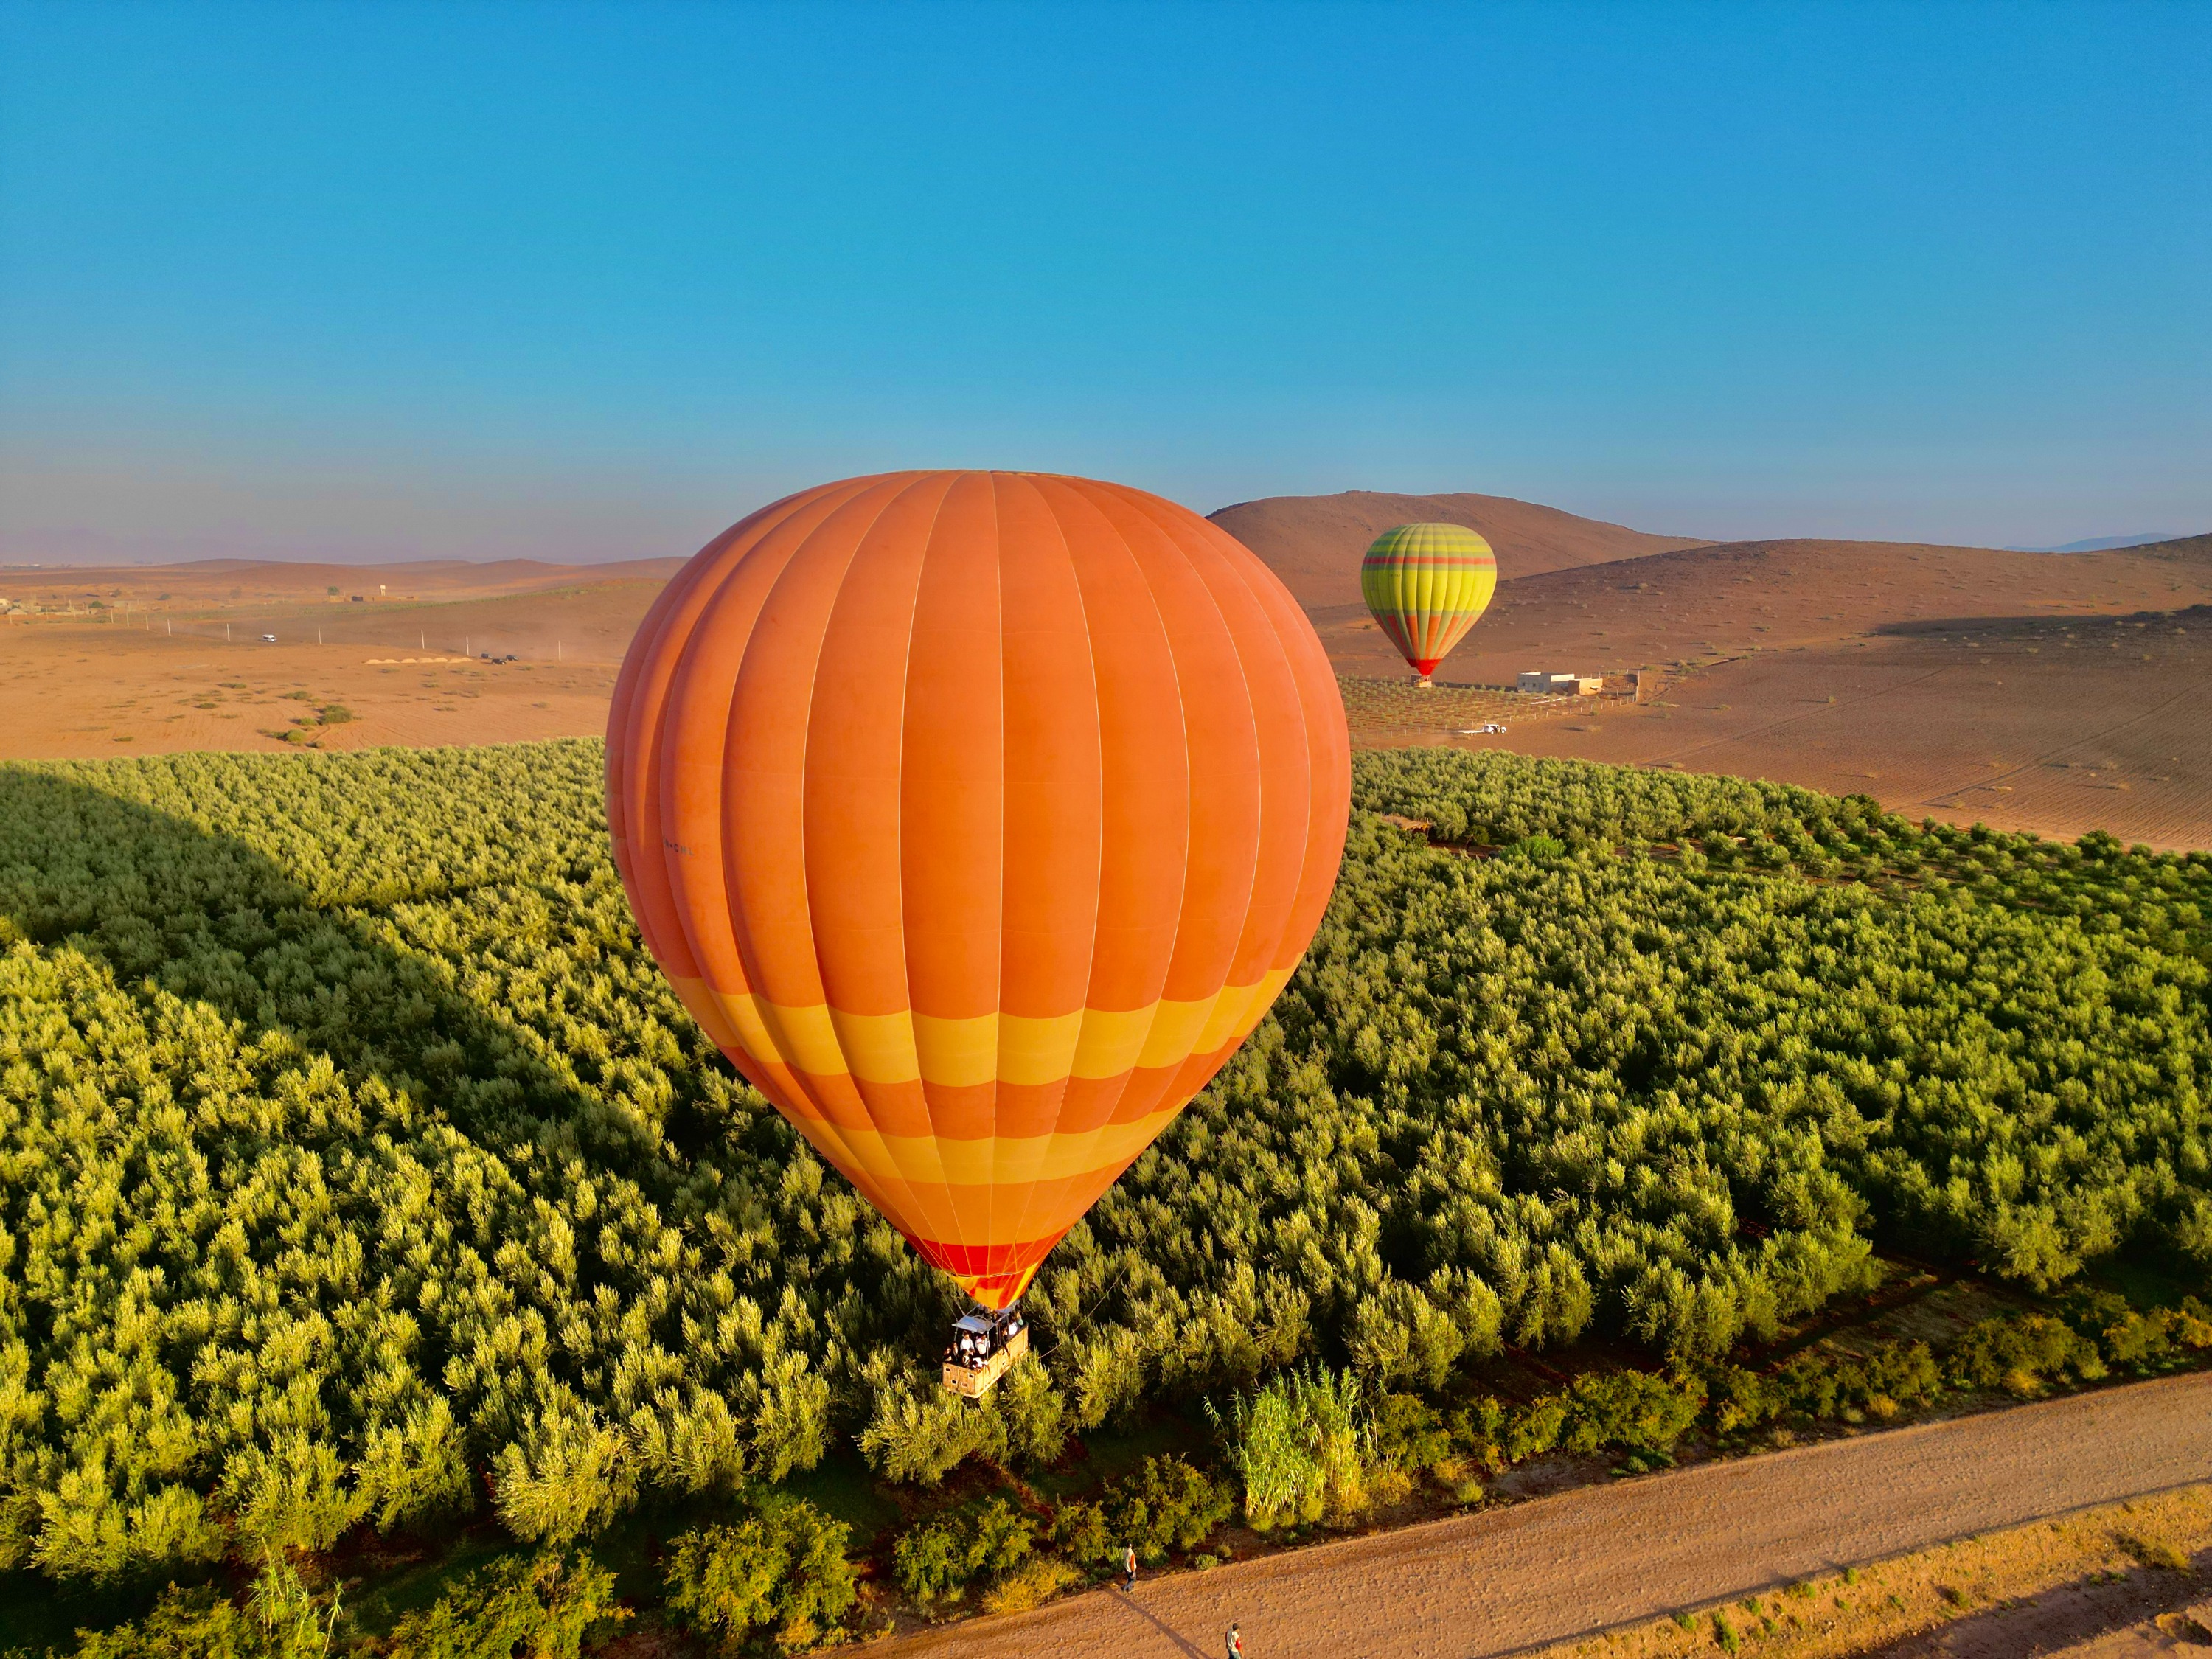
(1587, 685)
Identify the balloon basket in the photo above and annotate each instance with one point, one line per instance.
(983, 1349)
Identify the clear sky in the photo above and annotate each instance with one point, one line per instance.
(391, 281)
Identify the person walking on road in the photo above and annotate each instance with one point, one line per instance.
(1232, 1643)
(1128, 1566)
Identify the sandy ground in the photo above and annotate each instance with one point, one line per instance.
(2120, 1579)
(2051, 725)
(1567, 1566)
(72, 690)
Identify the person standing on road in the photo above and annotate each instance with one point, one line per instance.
(1128, 1566)
(1232, 1643)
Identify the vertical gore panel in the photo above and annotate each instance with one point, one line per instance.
(1279, 729)
(764, 783)
(1144, 761)
(953, 822)
(692, 741)
(1224, 757)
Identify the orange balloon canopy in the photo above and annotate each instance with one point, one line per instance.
(978, 817)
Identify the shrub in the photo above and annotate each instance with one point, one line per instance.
(1037, 1579)
(1410, 1434)
(939, 1558)
(1633, 1410)
(1165, 1504)
(193, 1623)
(2019, 1354)
(1535, 1429)
(930, 1561)
(785, 1566)
(1081, 1531)
(534, 1606)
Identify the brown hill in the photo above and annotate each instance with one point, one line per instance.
(2185, 550)
(1724, 599)
(1314, 542)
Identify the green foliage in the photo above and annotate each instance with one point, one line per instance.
(357, 1166)
(194, 1624)
(2022, 1355)
(1409, 1434)
(940, 1558)
(1082, 1534)
(1813, 1387)
(282, 1619)
(1164, 1504)
(1302, 1448)
(785, 1567)
(1632, 1411)
(533, 1608)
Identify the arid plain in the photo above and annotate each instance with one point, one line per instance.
(2047, 692)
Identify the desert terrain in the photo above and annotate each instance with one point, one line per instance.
(2056, 692)
(174, 658)
(1567, 1567)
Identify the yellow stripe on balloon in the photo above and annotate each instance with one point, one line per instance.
(1000, 1160)
(902, 1047)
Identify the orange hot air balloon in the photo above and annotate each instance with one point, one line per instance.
(978, 817)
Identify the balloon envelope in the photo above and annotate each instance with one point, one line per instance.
(978, 817)
(1426, 585)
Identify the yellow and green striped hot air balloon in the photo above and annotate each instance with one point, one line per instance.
(1426, 584)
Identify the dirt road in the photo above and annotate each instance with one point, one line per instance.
(1558, 1567)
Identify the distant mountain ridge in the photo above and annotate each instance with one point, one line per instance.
(2104, 544)
(1314, 543)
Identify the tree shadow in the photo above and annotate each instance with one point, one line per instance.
(400, 1160)
(1167, 1631)
(2060, 1619)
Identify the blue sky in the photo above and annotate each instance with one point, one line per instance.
(393, 280)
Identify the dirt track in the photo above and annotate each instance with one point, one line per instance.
(1559, 1567)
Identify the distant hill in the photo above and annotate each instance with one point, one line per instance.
(2101, 544)
(1314, 542)
(2187, 549)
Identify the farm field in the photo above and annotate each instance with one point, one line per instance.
(443, 1234)
(1378, 709)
